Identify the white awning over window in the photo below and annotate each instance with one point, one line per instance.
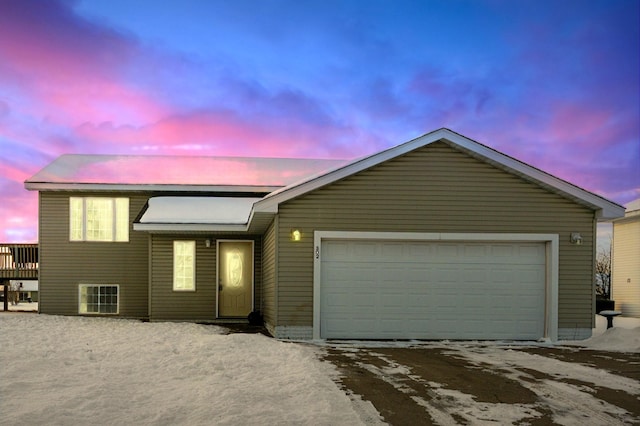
(195, 213)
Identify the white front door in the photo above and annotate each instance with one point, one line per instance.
(235, 278)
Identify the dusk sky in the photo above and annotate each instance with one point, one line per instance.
(555, 84)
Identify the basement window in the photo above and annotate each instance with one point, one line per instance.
(98, 299)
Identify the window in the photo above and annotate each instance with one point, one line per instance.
(98, 219)
(184, 265)
(98, 299)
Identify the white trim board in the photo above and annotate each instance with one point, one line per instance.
(552, 242)
(605, 209)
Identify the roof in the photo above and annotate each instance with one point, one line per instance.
(632, 212)
(282, 179)
(605, 209)
(633, 205)
(191, 213)
(175, 173)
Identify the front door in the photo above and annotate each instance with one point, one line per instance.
(235, 278)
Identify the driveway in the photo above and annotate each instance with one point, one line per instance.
(466, 383)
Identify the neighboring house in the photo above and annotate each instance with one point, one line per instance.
(438, 238)
(626, 261)
(28, 290)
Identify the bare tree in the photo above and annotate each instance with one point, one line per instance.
(603, 272)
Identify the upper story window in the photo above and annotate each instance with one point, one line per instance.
(98, 219)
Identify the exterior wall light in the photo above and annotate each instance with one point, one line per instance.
(207, 243)
(576, 238)
(296, 235)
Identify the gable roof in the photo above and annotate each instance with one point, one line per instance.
(605, 209)
(174, 173)
(282, 179)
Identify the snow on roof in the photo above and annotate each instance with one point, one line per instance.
(112, 170)
(198, 210)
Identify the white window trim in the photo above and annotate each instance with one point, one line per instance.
(552, 244)
(117, 286)
(114, 223)
(193, 288)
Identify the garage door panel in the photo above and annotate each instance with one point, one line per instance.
(432, 290)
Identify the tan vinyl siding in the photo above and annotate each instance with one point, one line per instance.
(269, 274)
(626, 266)
(434, 189)
(198, 305)
(64, 264)
(167, 304)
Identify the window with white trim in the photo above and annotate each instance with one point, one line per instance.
(98, 299)
(98, 219)
(184, 265)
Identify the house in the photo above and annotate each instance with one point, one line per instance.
(28, 290)
(626, 261)
(18, 266)
(437, 238)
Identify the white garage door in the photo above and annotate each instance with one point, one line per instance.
(432, 290)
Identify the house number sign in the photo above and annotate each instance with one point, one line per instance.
(317, 252)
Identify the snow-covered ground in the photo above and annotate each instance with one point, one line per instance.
(76, 370)
(623, 337)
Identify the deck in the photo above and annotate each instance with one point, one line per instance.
(18, 261)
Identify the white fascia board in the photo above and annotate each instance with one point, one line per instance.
(270, 202)
(47, 186)
(436, 236)
(605, 209)
(188, 227)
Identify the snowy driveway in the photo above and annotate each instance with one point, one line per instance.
(478, 383)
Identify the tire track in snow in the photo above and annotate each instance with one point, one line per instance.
(571, 404)
(443, 405)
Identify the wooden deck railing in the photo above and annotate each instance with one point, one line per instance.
(18, 261)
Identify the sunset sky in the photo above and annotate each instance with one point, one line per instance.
(555, 84)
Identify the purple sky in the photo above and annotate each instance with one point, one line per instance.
(553, 83)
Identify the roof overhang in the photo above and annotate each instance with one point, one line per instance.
(605, 210)
(195, 214)
(73, 172)
(629, 216)
(104, 187)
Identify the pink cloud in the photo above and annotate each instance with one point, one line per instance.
(217, 133)
(70, 68)
(573, 121)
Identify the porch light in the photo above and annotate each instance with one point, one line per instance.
(296, 235)
(576, 238)
(207, 243)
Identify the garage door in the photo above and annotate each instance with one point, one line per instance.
(373, 289)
